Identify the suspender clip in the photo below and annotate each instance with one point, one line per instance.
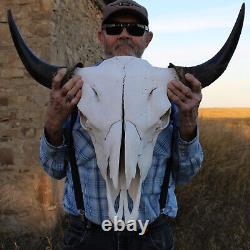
(82, 214)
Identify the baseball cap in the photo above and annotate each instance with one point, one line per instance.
(125, 6)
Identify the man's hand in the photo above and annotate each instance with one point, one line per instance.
(61, 104)
(188, 100)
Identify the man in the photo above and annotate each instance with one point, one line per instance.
(124, 32)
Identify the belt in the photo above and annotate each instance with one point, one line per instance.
(87, 224)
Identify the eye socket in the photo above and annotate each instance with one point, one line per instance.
(165, 118)
(151, 92)
(96, 94)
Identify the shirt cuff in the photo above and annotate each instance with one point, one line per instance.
(188, 148)
(49, 150)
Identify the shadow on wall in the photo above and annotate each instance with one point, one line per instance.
(28, 201)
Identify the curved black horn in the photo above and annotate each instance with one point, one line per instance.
(41, 71)
(209, 71)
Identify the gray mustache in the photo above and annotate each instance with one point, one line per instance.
(126, 41)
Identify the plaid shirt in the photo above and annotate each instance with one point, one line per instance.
(188, 154)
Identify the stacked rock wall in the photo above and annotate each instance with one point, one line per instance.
(61, 32)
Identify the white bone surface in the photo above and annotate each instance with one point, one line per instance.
(141, 89)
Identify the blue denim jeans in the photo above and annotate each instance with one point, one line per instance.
(78, 236)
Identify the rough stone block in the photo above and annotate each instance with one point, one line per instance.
(46, 5)
(28, 132)
(4, 101)
(6, 156)
(42, 30)
(12, 73)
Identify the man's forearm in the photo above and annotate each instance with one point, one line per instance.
(54, 137)
(188, 125)
(53, 132)
(62, 102)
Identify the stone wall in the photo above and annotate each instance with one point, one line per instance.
(61, 32)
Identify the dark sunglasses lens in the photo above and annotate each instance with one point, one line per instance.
(135, 30)
(116, 30)
(132, 29)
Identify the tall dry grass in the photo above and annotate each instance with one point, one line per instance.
(215, 207)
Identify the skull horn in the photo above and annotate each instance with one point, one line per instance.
(211, 70)
(41, 71)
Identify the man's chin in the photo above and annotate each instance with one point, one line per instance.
(124, 53)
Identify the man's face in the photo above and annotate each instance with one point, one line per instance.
(124, 44)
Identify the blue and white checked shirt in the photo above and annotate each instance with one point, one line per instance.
(188, 154)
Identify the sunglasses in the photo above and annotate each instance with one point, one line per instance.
(133, 29)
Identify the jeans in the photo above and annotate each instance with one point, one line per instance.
(78, 236)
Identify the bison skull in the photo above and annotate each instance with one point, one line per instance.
(124, 106)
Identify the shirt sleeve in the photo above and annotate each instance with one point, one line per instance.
(53, 158)
(187, 155)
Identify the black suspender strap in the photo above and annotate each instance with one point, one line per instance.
(168, 170)
(164, 188)
(74, 169)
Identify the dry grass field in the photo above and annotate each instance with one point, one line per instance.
(214, 209)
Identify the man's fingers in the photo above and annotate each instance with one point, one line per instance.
(181, 88)
(173, 97)
(77, 97)
(56, 81)
(77, 86)
(69, 85)
(181, 95)
(195, 84)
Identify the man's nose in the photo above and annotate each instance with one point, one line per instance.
(124, 33)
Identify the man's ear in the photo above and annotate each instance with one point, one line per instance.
(101, 37)
(149, 37)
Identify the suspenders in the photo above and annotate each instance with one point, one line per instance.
(74, 169)
(75, 173)
(168, 170)
(164, 187)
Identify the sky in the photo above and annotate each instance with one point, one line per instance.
(188, 33)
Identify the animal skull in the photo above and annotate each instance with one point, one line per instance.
(124, 106)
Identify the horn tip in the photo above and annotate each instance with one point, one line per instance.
(9, 16)
(171, 65)
(9, 12)
(243, 7)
